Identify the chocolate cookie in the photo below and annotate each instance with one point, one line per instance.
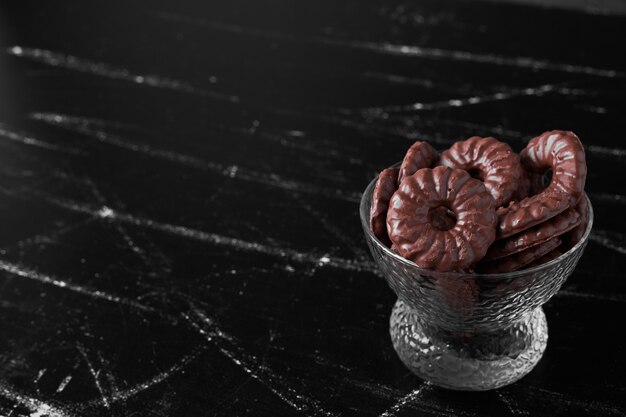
(522, 215)
(422, 195)
(572, 238)
(518, 260)
(383, 190)
(523, 190)
(489, 160)
(556, 226)
(545, 259)
(420, 155)
(458, 294)
(563, 153)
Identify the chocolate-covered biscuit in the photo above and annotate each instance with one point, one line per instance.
(518, 260)
(572, 238)
(529, 212)
(412, 230)
(561, 152)
(545, 259)
(523, 190)
(420, 155)
(489, 160)
(458, 294)
(556, 226)
(383, 190)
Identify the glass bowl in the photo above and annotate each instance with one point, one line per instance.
(469, 331)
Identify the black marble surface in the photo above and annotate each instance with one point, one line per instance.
(179, 187)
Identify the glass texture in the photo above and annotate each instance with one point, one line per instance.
(469, 331)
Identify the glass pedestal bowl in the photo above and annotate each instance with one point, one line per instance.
(468, 331)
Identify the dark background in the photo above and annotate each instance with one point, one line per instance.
(178, 200)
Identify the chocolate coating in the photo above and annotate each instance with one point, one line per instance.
(518, 260)
(494, 162)
(410, 226)
(383, 190)
(545, 258)
(582, 208)
(420, 155)
(562, 152)
(517, 217)
(459, 294)
(523, 190)
(556, 226)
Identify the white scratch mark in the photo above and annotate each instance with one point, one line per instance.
(125, 394)
(466, 56)
(213, 331)
(95, 374)
(31, 274)
(493, 130)
(404, 50)
(70, 62)
(319, 147)
(195, 234)
(594, 109)
(603, 150)
(377, 389)
(37, 408)
(74, 63)
(612, 240)
(244, 174)
(400, 79)
(105, 212)
(618, 298)
(240, 244)
(466, 101)
(332, 229)
(599, 407)
(324, 260)
(608, 198)
(404, 401)
(104, 367)
(64, 383)
(231, 171)
(49, 236)
(251, 366)
(469, 89)
(28, 140)
(39, 375)
(511, 404)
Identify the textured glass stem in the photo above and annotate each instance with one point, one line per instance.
(479, 342)
(468, 360)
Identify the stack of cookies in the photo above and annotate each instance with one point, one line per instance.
(481, 207)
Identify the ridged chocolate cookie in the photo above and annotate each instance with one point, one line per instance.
(489, 160)
(383, 190)
(416, 237)
(561, 152)
(519, 260)
(420, 155)
(572, 238)
(556, 226)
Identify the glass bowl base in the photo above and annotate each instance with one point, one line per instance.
(468, 361)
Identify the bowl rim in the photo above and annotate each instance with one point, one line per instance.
(364, 215)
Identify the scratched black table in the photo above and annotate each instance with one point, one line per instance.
(179, 188)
